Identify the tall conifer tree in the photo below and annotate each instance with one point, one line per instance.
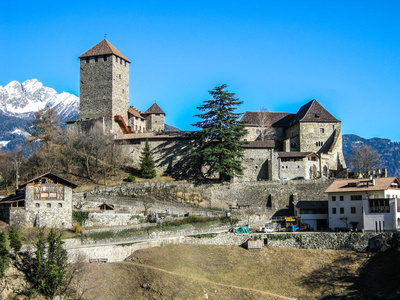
(219, 145)
(147, 165)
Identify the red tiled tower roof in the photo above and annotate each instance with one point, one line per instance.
(154, 109)
(103, 48)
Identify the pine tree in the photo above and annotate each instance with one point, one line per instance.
(147, 165)
(49, 270)
(4, 254)
(219, 145)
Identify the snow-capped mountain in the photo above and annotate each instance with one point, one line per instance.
(22, 100)
(19, 102)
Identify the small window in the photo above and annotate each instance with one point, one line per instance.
(353, 210)
(96, 59)
(48, 205)
(37, 204)
(342, 210)
(355, 197)
(87, 60)
(341, 198)
(119, 76)
(123, 91)
(321, 130)
(317, 116)
(334, 210)
(333, 198)
(60, 205)
(105, 57)
(116, 58)
(120, 61)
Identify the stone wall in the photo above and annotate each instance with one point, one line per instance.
(336, 241)
(261, 196)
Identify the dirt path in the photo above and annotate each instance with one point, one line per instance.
(215, 283)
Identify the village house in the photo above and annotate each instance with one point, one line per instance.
(364, 204)
(44, 201)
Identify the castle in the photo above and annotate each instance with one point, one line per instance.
(104, 94)
(302, 145)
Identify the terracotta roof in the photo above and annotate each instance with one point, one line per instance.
(275, 119)
(295, 154)
(361, 185)
(50, 174)
(313, 112)
(135, 112)
(103, 48)
(260, 144)
(323, 204)
(154, 109)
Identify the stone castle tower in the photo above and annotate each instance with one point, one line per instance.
(104, 87)
(155, 118)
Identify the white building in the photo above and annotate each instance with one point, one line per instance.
(313, 214)
(364, 204)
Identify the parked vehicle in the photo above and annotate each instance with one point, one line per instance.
(284, 179)
(292, 228)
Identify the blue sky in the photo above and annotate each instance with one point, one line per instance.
(272, 54)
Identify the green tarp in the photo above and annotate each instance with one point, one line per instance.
(243, 229)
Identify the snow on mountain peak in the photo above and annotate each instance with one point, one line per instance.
(23, 100)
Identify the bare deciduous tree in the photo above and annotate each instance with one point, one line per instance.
(263, 124)
(364, 159)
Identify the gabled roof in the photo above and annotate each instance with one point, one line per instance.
(362, 185)
(103, 48)
(313, 112)
(154, 109)
(54, 177)
(135, 112)
(275, 119)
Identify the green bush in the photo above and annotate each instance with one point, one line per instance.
(15, 240)
(4, 254)
(131, 178)
(80, 216)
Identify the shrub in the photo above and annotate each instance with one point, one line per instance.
(131, 178)
(77, 228)
(4, 254)
(15, 240)
(80, 216)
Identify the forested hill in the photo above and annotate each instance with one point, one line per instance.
(389, 151)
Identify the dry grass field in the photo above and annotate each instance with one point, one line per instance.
(226, 272)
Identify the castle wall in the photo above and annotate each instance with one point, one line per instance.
(256, 163)
(120, 90)
(155, 122)
(166, 152)
(302, 168)
(312, 139)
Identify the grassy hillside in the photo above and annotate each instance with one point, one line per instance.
(221, 272)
